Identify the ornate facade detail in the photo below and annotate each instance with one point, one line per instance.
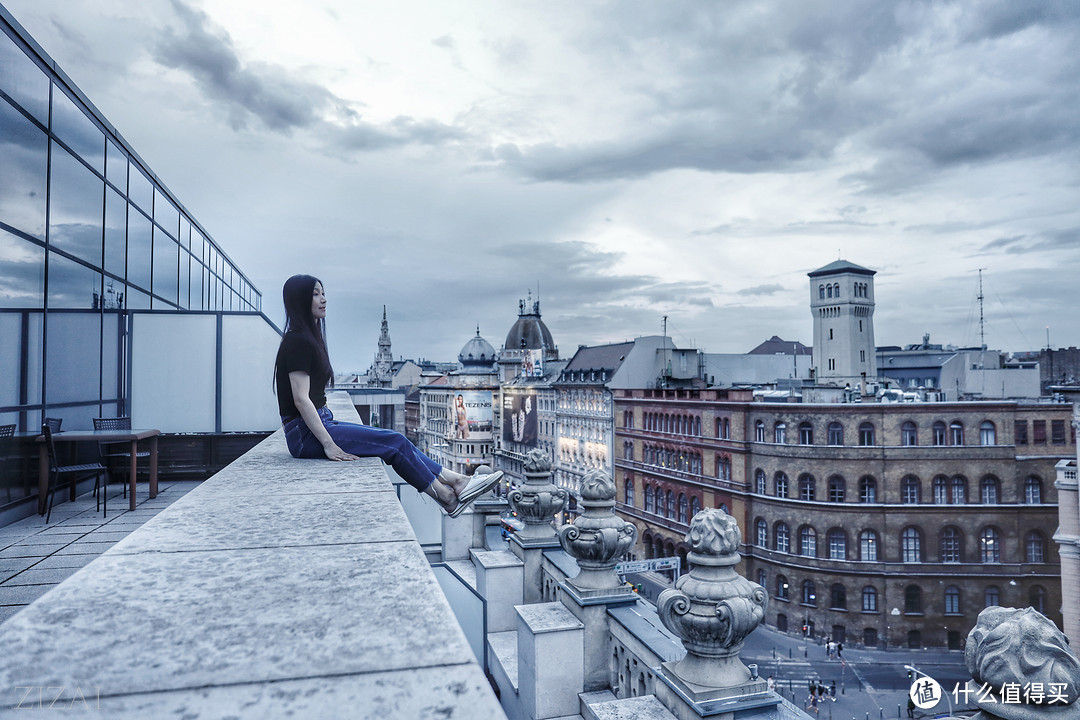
(1023, 649)
(712, 608)
(597, 538)
(538, 499)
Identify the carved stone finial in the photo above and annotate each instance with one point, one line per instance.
(537, 461)
(1023, 648)
(712, 608)
(598, 538)
(538, 499)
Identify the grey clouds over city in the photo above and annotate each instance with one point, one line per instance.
(626, 160)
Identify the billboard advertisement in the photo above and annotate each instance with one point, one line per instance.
(519, 416)
(471, 413)
(532, 363)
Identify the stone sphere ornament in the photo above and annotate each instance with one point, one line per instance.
(713, 608)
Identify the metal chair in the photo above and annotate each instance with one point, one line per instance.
(56, 469)
(108, 451)
(6, 433)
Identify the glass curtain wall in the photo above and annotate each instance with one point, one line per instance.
(87, 237)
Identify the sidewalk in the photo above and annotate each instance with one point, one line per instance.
(35, 557)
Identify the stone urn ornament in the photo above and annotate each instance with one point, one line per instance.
(597, 538)
(713, 608)
(538, 499)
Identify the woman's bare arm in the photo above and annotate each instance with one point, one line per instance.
(300, 382)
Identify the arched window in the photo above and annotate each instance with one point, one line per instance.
(808, 541)
(837, 489)
(910, 545)
(806, 433)
(938, 433)
(759, 431)
(837, 544)
(1035, 547)
(828, 291)
(952, 600)
(941, 490)
(660, 509)
(867, 489)
(695, 507)
(959, 490)
(989, 488)
(956, 433)
(951, 545)
(992, 596)
(762, 578)
(648, 499)
(780, 433)
(1033, 490)
(684, 509)
(809, 593)
(909, 434)
(783, 537)
(836, 433)
(671, 509)
(807, 487)
(629, 493)
(868, 546)
(909, 490)
(838, 597)
(762, 529)
(759, 482)
(780, 481)
(821, 292)
(987, 433)
(726, 428)
(869, 599)
(1037, 598)
(866, 434)
(781, 587)
(989, 545)
(836, 289)
(912, 599)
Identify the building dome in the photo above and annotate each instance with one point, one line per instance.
(478, 352)
(529, 332)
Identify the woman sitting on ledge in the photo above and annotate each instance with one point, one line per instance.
(302, 371)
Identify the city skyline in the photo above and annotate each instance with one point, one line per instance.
(625, 161)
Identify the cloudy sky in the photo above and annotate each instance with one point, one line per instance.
(627, 160)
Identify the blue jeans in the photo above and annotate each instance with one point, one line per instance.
(390, 446)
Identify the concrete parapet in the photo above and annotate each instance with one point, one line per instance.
(277, 587)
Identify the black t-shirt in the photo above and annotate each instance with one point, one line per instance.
(297, 354)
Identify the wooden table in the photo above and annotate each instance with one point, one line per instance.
(106, 436)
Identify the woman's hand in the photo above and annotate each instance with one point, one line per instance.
(333, 452)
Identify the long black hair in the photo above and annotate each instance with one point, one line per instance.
(296, 294)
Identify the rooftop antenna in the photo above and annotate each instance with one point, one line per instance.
(982, 331)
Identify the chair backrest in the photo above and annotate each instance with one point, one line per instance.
(6, 432)
(119, 423)
(50, 447)
(54, 423)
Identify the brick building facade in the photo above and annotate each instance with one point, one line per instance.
(875, 523)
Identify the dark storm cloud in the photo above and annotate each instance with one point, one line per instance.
(270, 95)
(747, 89)
(1067, 239)
(205, 51)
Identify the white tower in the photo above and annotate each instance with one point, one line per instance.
(842, 303)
